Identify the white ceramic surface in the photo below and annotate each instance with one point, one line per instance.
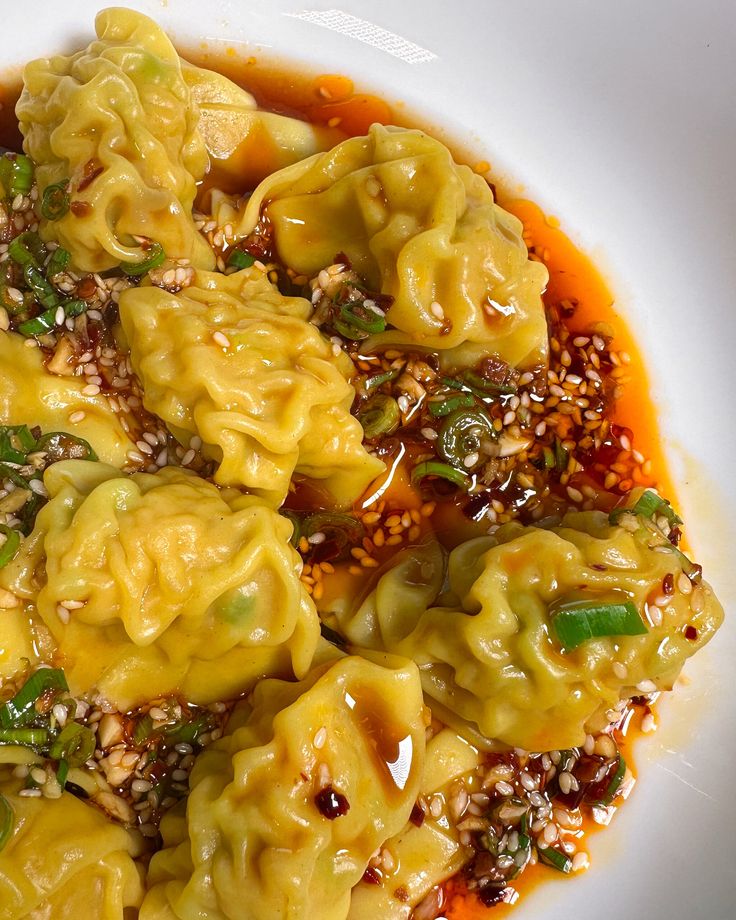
(617, 117)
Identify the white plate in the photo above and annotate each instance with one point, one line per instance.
(617, 117)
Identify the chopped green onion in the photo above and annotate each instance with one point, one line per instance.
(62, 771)
(578, 621)
(7, 472)
(462, 401)
(155, 256)
(548, 458)
(9, 548)
(378, 379)
(21, 709)
(187, 732)
(440, 470)
(55, 201)
(561, 456)
(461, 434)
(649, 505)
(9, 436)
(487, 391)
(240, 259)
(42, 290)
(16, 174)
(7, 820)
(143, 730)
(554, 858)
(75, 744)
(59, 445)
(40, 325)
(27, 249)
(340, 529)
(59, 262)
(363, 318)
(380, 415)
(28, 737)
(74, 307)
(296, 524)
(618, 777)
(489, 387)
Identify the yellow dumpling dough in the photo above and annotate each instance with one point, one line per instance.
(30, 395)
(486, 648)
(182, 587)
(64, 860)
(255, 844)
(419, 227)
(118, 122)
(233, 361)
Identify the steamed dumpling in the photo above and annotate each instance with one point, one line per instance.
(182, 587)
(30, 395)
(233, 361)
(117, 121)
(486, 648)
(245, 144)
(64, 860)
(255, 845)
(419, 227)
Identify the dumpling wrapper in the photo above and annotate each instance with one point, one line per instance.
(64, 860)
(185, 587)
(120, 106)
(486, 649)
(233, 361)
(419, 227)
(246, 144)
(254, 845)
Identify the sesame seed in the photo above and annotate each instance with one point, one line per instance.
(470, 460)
(320, 738)
(188, 457)
(620, 670)
(316, 538)
(648, 723)
(504, 788)
(76, 417)
(221, 339)
(63, 614)
(646, 686)
(437, 310)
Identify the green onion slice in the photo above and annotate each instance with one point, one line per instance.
(187, 732)
(363, 318)
(240, 259)
(59, 445)
(561, 456)
(378, 379)
(451, 404)
(27, 249)
(649, 505)
(40, 325)
(341, 529)
(7, 821)
(62, 772)
(618, 777)
(16, 174)
(143, 730)
(16, 441)
(10, 547)
(75, 744)
(578, 621)
(21, 709)
(489, 387)
(28, 737)
(380, 415)
(461, 434)
(556, 859)
(296, 523)
(155, 256)
(55, 201)
(59, 262)
(42, 290)
(441, 471)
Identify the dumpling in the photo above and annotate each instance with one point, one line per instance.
(488, 653)
(17, 648)
(285, 812)
(235, 362)
(64, 860)
(175, 585)
(117, 121)
(246, 144)
(419, 227)
(30, 395)
(427, 854)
